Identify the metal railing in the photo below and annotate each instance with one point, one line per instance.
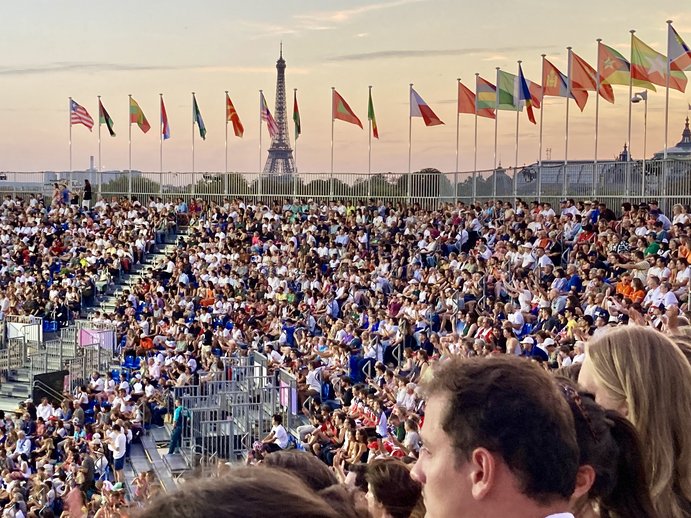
(667, 180)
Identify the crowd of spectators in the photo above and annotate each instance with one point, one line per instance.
(361, 302)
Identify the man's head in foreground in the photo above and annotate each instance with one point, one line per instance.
(499, 440)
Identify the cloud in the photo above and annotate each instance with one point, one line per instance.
(318, 20)
(406, 54)
(86, 67)
(344, 15)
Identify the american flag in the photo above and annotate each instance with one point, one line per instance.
(79, 115)
(267, 117)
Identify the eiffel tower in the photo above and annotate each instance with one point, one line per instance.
(280, 161)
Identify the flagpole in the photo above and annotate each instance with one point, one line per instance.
(160, 133)
(331, 175)
(475, 143)
(628, 137)
(517, 123)
(669, 71)
(193, 175)
(295, 146)
(225, 147)
(565, 182)
(542, 113)
(369, 140)
(458, 118)
(597, 115)
(496, 134)
(410, 142)
(69, 113)
(259, 173)
(129, 146)
(99, 144)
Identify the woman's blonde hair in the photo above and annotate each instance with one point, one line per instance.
(648, 372)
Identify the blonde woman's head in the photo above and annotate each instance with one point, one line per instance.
(645, 376)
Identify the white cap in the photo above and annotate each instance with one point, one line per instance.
(528, 340)
(547, 342)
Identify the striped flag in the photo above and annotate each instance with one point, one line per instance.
(524, 94)
(266, 116)
(79, 115)
(296, 114)
(371, 117)
(165, 127)
(486, 98)
(197, 118)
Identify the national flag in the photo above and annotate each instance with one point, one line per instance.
(555, 84)
(524, 94)
(486, 98)
(197, 118)
(137, 116)
(265, 115)
(371, 117)
(341, 111)
(584, 77)
(104, 118)
(79, 115)
(233, 117)
(165, 128)
(615, 69)
(466, 99)
(679, 52)
(296, 114)
(419, 108)
(649, 65)
(535, 93)
(506, 91)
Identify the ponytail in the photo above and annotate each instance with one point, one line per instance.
(630, 495)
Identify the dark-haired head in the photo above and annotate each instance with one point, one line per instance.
(611, 472)
(305, 466)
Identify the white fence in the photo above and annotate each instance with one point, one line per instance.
(668, 180)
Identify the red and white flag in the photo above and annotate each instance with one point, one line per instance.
(419, 108)
(79, 115)
(266, 116)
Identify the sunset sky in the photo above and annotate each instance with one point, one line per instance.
(53, 49)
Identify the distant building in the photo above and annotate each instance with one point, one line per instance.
(682, 150)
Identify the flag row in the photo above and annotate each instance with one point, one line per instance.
(514, 92)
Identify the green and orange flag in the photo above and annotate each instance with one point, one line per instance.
(649, 65)
(615, 68)
(341, 111)
(137, 116)
(371, 117)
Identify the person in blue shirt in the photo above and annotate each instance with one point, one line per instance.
(574, 283)
(178, 422)
(532, 351)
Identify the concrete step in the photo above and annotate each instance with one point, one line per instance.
(11, 403)
(15, 389)
(164, 475)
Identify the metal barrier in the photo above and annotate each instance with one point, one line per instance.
(667, 180)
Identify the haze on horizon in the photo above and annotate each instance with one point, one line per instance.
(56, 49)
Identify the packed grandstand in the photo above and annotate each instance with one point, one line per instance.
(362, 301)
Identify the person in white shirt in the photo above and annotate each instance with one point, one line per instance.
(467, 470)
(117, 444)
(278, 437)
(44, 409)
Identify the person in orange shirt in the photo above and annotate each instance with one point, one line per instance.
(638, 290)
(624, 287)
